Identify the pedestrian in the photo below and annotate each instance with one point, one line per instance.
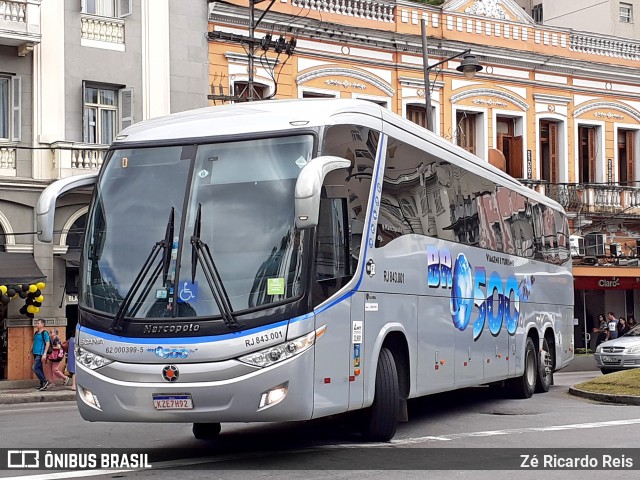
(602, 330)
(56, 355)
(631, 321)
(71, 362)
(622, 327)
(612, 323)
(39, 348)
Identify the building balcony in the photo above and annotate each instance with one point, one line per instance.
(20, 24)
(590, 198)
(77, 158)
(7, 161)
(102, 32)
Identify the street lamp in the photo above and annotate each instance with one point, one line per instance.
(469, 66)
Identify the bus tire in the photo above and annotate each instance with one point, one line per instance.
(381, 419)
(206, 431)
(543, 381)
(524, 386)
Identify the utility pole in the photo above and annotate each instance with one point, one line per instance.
(427, 83)
(251, 46)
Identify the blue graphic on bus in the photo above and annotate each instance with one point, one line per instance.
(497, 300)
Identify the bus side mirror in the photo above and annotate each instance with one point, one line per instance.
(46, 206)
(309, 188)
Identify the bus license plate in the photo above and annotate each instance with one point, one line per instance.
(610, 359)
(172, 402)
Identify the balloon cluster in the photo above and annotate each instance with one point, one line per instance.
(32, 295)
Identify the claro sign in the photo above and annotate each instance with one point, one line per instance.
(613, 282)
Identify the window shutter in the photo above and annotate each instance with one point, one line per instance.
(125, 8)
(631, 159)
(126, 108)
(16, 92)
(83, 6)
(84, 113)
(553, 151)
(591, 133)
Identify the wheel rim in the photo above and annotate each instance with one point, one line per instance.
(530, 366)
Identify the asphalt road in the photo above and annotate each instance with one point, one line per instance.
(442, 434)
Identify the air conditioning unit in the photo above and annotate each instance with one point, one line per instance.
(615, 249)
(594, 244)
(576, 246)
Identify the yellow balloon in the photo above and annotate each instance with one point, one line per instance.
(32, 288)
(39, 299)
(41, 285)
(3, 289)
(31, 309)
(36, 309)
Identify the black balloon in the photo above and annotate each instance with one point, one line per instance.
(23, 294)
(4, 299)
(25, 288)
(37, 304)
(30, 315)
(23, 310)
(11, 292)
(37, 293)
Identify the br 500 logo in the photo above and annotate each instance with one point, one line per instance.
(498, 300)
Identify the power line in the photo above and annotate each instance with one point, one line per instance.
(574, 11)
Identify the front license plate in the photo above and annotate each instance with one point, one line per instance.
(180, 401)
(610, 359)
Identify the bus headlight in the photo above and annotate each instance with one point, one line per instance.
(283, 351)
(91, 360)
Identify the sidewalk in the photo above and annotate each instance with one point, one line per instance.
(24, 391)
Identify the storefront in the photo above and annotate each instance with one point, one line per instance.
(16, 329)
(599, 290)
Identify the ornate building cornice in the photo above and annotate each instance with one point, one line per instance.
(489, 92)
(346, 72)
(632, 112)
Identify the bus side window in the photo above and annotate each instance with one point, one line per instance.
(332, 240)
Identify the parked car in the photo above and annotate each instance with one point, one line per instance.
(620, 353)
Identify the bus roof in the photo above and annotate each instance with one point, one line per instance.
(282, 115)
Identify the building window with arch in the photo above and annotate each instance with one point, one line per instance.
(3, 240)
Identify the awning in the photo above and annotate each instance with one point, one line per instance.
(72, 258)
(19, 268)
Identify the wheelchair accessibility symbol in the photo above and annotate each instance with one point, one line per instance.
(188, 292)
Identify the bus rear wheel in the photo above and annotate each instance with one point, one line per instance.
(545, 369)
(524, 386)
(381, 419)
(206, 431)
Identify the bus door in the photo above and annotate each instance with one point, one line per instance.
(333, 271)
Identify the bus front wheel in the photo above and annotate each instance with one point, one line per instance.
(524, 386)
(381, 418)
(206, 431)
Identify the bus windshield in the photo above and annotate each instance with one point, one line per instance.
(244, 192)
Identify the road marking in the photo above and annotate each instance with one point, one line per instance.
(185, 462)
(493, 433)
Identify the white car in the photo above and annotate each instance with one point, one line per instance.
(620, 353)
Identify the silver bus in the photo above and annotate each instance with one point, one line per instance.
(289, 260)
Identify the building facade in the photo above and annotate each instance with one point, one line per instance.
(557, 108)
(609, 17)
(73, 74)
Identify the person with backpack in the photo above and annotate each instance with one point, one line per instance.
(55, 356)
(41, 342)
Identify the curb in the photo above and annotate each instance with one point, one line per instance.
(33, 398)
(606, 397)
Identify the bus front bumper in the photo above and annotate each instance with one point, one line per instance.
(235, 400)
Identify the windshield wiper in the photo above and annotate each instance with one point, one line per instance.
(135, 286)
(200, 251)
